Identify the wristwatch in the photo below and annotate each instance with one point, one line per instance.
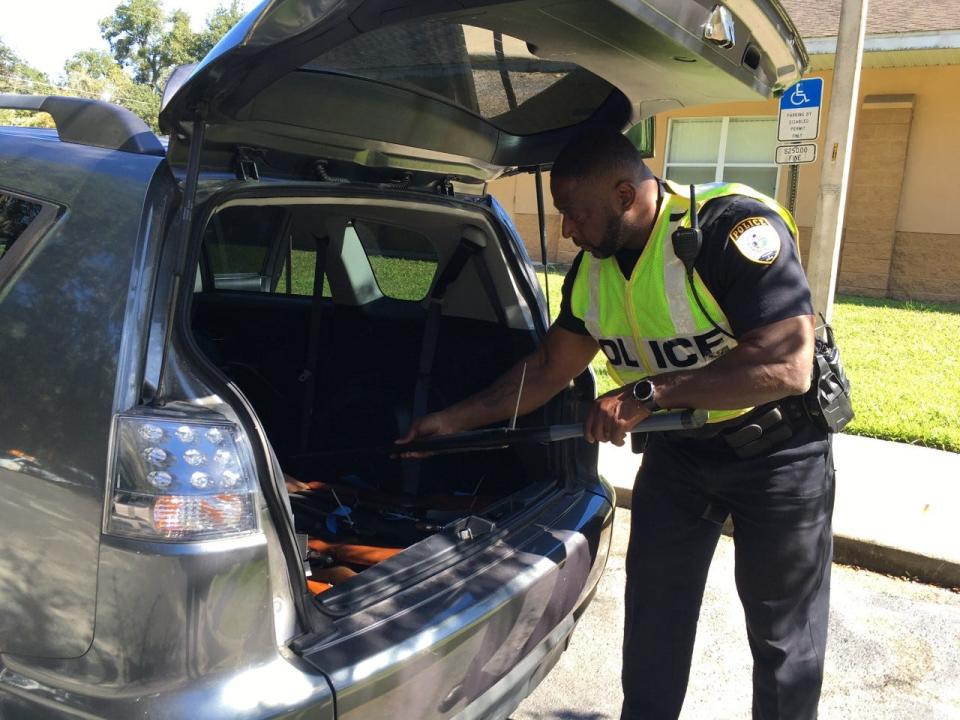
(643, 392)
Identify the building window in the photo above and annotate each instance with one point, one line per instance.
(723, 149)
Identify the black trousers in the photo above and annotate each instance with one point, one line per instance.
(781, 505)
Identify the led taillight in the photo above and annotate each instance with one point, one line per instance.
(181, 479)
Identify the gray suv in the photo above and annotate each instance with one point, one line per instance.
(305, 265)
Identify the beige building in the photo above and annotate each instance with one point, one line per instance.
(901, 234)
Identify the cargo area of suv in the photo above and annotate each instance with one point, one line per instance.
(417, 308)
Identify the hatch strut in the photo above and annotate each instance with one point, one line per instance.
(512, 104)
(543, 238)
(183, 240)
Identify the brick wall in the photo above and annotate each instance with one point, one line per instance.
(926, 266)
(873, 198)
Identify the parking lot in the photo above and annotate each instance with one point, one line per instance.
(893, 652)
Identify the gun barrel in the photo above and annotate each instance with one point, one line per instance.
(498, 438)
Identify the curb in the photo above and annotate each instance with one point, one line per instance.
(867, 555)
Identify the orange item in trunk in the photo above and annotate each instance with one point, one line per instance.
(334, 575)
(355, 554)
(318, 587)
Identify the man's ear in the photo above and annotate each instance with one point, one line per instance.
(626, 194)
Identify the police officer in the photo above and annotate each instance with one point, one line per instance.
(733, 335)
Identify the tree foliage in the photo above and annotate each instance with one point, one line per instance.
(17, 76)
(148, 41)
(95, 74)
(146, 44)
(217, 25)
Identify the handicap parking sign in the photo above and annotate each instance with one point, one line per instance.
(800, 111)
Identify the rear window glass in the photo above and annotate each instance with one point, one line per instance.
(403, 262)
(490, 74)
(274, 250)
(242, 247)
(16, 215)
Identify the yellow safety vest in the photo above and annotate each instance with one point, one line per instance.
(650, 323)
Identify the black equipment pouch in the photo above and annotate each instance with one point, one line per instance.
(828, 399)
(768, 427)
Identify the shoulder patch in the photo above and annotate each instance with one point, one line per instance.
(757, 240)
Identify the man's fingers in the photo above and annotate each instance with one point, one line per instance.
(410, 435)
(588, 433)
(620, 436)
(610, 428)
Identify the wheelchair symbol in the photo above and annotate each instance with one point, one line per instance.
(798, 96)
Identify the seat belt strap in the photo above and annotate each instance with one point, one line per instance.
(428, 347)
(308, 376)
(431, 327)
(490, 288)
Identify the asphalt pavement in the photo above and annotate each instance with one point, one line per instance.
(893, 651)
(895, 509)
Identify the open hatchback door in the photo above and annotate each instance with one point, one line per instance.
(466, 89)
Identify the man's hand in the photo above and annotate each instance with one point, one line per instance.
(613, 415)
(562, 356)
(431, 425)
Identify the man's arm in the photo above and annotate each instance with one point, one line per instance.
(769, 363)
(561, 357)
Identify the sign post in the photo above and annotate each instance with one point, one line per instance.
(824, 255)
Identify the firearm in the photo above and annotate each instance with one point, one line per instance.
(499, 438)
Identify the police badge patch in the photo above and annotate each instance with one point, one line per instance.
(757, 240)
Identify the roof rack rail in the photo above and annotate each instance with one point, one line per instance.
(90, 122)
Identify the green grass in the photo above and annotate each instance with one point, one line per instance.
(902, 360)
(401, 279)
(599, 364)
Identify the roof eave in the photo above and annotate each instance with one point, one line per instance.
(885, 42)
(916, 49)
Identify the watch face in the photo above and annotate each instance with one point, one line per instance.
(643, 390)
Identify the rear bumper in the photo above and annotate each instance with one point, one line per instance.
(504, 697)
(278, 689)
(484, 636)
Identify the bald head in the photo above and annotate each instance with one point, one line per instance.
(606, 195)
(600, 152)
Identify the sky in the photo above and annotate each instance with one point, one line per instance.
(72, 25)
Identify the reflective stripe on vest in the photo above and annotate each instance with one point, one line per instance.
(650, 323)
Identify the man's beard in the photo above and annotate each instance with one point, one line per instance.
(613, 239)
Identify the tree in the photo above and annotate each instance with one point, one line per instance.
(95, 74)
(17, 76)
(147, 41)
(146, 44)
(218, 24)
(150, 44)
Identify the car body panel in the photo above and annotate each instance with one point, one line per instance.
(182, 631)
(393, 84)
(59, 383)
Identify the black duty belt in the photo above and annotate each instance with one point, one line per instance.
(759, 431)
